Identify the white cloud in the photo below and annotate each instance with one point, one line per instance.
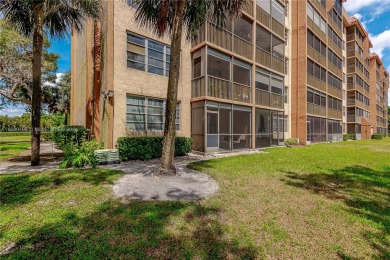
(13, 111)
(380, 42)
(374, 7)
(53, 85)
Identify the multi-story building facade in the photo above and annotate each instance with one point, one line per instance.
(268, 75)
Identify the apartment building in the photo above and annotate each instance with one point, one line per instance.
(268, 75)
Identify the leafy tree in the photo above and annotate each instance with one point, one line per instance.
(15, 66)
(60, 96)
(172, 17)
(34, 17)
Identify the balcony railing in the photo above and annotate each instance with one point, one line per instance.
(242, 93)
(277, 28)
(316, 29)
(316, 109)
(198, 87)
(316, 83)
(354, 37)
(219, 36)
(263, 17)
(224, 89)
(218, 88)
(267, 59)
(354, 86)
(335, 92)
(248, 7)
(335, 27)
(262, 98)
(316, 56)
(242, 47)
(354, 119)
(354, 69)
(277, 101)
(335, 114)
(335, 48)
(338, 72)
(319, 7)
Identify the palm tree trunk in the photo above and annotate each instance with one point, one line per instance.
(168, 152)
(36, 82)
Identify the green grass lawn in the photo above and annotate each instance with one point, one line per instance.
(13, 145)
(326, 201)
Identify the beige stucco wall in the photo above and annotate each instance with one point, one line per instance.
(131, 81)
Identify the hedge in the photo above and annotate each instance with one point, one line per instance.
(349, 137)
(64, 134)
(291, 141)
(145, 148)
(377, 136)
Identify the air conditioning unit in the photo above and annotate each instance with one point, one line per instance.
(107, 156)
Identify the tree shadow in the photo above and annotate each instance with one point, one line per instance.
(136, 230)
(20, 188)
(365, 191)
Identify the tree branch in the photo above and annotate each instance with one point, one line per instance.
(26, 101)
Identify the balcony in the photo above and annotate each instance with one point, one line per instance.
(277, 101)
(358, 103)
(336, 71)
(354, 69)
(248, 7)
(354, 119)
(198, 89)
(354, 37)
(316, 109)
(335, 114)
(268, 21)
(219, 36)
(263, 17)
(316, 56)
(335, 92)
(220, 88)
(319, 7)
(316, 83)
(262, 98)
(267, 59)
(278, 28)
(335, 48)
(314, 28)
(354, 86)
(335, 27)
(353, 53)
(242, 47)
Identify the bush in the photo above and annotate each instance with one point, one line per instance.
(291, 141)
(145, 148)
(80, 156)
(349, 137)
(69, 134)
(377, 136)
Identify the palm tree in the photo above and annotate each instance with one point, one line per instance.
(172, 17)
(57, 18)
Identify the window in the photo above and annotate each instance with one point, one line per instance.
(316, 97)
(147, 55)
(147, 114)
(265, 5)
(316, 70)
(315, 42)
(316, 18)
(278, 11)
(243, 29)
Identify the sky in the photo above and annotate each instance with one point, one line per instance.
(374, 15)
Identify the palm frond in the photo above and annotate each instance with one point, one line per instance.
(59, 15)
(158, 15)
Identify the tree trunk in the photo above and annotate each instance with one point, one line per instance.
(36, 82)
(66, 117)
(168, 152)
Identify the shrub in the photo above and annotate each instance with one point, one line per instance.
(65, 134)
(80, 156)
(145, 148)
(349, 137)
(291, 141)
(377, 136)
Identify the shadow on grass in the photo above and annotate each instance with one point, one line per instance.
(137, 230)
(366, 193)
(16, 189)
